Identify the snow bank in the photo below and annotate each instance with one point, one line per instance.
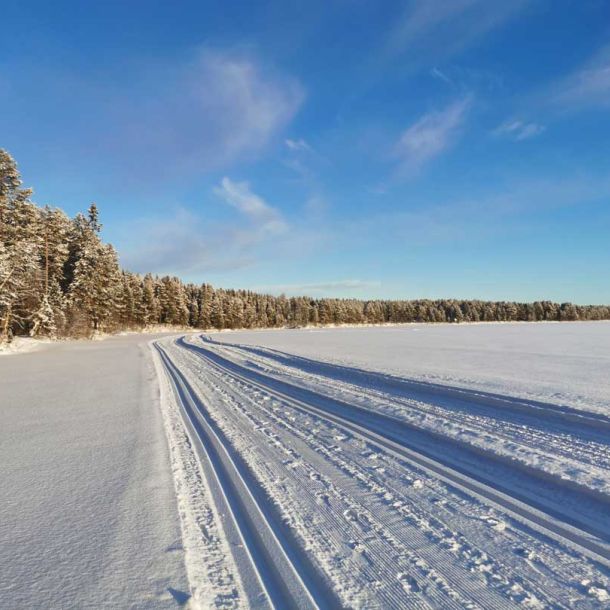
(21, 345)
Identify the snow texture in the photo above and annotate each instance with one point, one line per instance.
(343, 482)
(397, 467)
(22, 345)
(559, 362)
(88, 515)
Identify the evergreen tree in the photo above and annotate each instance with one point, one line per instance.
(94, 291)
(19, 247)
(58, 278)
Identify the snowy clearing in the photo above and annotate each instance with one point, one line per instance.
(337, 486)
(23, 345)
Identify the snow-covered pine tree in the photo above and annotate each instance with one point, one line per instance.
(205, 306)
(95, 278)
(49, 318)
(192, 296)
(173, 302)
(151, 308)
(19, 249)
(217, 316)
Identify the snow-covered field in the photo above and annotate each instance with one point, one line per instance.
(88, 514)
(563, 363)
(395, 467)
(343, 470)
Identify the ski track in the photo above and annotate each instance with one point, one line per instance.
(319, 512)
(582, 506)
(560, 441)
(276, 572)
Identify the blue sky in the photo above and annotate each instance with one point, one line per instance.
(339, 148)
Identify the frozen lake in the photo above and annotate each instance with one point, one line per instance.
(564, 363)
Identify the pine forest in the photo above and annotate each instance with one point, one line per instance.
(59, 279)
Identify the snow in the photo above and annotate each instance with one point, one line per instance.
(23, 345)
(518, 435)
(88, 515)
(395, 494)
(413, 466)
(214, 578)
(562, 363)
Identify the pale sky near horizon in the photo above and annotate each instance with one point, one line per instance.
(348, 148)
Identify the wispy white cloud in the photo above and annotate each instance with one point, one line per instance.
(587, 86)
(180, 244)
(183, 244)
(440, 75)
(163, 118)
(303, 160)
(172, 120)
(199, 115)
(429, 31)
(431, 135)
(519, 130)
(584, 88)
(265, 218)
(298, 145)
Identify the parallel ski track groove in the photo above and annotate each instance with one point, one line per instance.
(520, 508)
(249, 511)
(594, 422)
(249, 403)
(484, 422)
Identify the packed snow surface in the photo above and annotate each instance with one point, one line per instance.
(378, 468)
(88, 515)
(414, 466)
(563, 362)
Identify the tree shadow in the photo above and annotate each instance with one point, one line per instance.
(181, 597)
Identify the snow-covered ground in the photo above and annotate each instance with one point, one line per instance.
(337, 480)
(396, 467)
(88, 515)
(22, 345)
(563, 363)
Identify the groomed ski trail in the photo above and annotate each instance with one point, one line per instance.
(229, 408)
(275, 572)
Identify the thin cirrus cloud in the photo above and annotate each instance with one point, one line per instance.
(437, 30)
(202, 114)
(180, 245)
(265, 219)
(158, 119)
(430, 136)
(184, 245)
(302, 158)
(587, 86)
(519, 130)
(298, 145)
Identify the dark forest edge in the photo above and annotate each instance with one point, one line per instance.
(58, 279)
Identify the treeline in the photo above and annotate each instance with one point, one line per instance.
(58, 279)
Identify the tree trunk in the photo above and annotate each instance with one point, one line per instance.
(46, 261)
(5, 338)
